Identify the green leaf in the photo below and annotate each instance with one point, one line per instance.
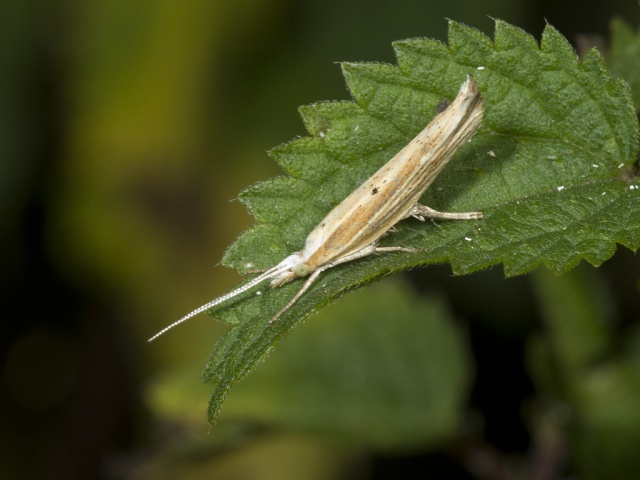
(550, 167)
(624, 57)
(576, 312)
(383, 368)
(578, 370)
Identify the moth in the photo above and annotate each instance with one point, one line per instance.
(353, 228)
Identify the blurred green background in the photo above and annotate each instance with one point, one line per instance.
(127, 129)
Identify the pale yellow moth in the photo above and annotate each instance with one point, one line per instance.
(352, 229)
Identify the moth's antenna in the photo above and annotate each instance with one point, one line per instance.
(259, 279)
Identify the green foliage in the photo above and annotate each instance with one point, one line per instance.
(550, 168)
(382, 368)
(573, 362)
(624, 58)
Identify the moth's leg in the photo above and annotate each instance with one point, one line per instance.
(420, 211)
(305, 287)
(395, 249)
(363, 252)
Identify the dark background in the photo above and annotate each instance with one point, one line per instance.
(126, 127)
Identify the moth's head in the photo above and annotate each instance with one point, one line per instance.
(294, 266)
